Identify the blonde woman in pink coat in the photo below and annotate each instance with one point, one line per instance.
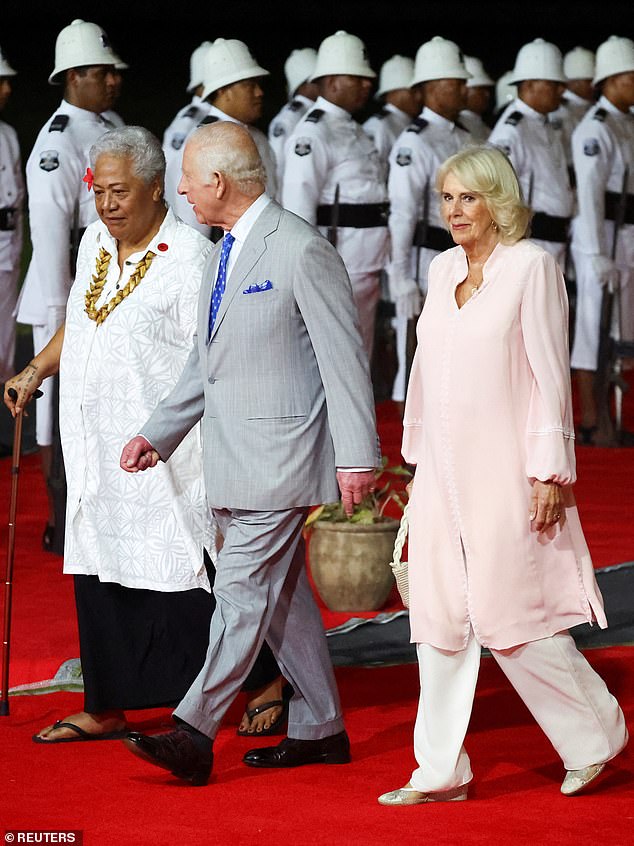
(497, 556)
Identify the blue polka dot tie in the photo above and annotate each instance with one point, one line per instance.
(221, 280)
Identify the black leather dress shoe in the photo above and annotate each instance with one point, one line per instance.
(174, 751)
(291, 752)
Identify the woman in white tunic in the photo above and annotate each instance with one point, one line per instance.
(497, 556)
(134, 544)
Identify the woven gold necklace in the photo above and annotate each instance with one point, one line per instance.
(99, 280)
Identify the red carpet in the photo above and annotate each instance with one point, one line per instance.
(116, 799)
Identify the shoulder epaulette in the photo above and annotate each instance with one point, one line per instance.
(191, 112)
(59, 123)
(514, 118)
(600, 114)
(295, 105)
(417, 125)
(315, 115)
(208, 119)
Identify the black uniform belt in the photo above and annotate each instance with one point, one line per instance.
(432, 237)
(354, 215)
(547, 227)
(8, 219)
(613, 203)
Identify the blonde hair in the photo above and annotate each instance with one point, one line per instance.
(488, 172)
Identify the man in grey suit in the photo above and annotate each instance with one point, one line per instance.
(280, 379)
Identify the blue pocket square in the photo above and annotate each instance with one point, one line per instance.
(257, 288)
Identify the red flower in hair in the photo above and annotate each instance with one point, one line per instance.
(89, 178)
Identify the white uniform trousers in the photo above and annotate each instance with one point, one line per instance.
(8, 297)
(585, 348)
(366, 291)
(569, 701)
(44, 405)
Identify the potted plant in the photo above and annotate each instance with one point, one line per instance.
(349, 557)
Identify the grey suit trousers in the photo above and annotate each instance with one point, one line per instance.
(262, 592)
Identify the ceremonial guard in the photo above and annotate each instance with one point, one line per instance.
(535, 145)
(603, 230)
(417, 232)
(400, 104)
(480, 88)
(11, 210)
(231, 90)
(505, 93)
(333, 176)
(578, 96)
(189, 116)
(60, 207)
(298, 70)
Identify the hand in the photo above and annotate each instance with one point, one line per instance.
(547, 506)
(409, 305)
(25, 384)
(604, 269)
(138, 454)
(354, 487)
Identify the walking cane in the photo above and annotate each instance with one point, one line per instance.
(15, 470)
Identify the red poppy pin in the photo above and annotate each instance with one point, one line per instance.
(162, 247)
(89, 178)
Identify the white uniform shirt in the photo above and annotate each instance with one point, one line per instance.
(283, 124)
(140, 530)
(414, 160)
(476, 126)
(603, 146)
(572, 109)
(329, 148)
(113, 119)
(58, 202)
(536, 150)
(175, 162)
(384, 128)
(11, 197)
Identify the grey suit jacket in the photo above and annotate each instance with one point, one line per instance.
(283, 385)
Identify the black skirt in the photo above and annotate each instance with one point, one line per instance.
(143, 648)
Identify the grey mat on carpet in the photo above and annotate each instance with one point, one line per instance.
(385, 639)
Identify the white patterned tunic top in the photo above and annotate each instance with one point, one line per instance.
(140, 530)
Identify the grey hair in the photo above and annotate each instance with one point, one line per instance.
(229, 148)
(136, 143)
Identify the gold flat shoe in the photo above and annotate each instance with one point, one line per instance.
(576, 780)
(411, 796)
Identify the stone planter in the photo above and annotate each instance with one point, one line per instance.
(350, 563)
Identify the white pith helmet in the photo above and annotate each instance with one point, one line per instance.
(342, 53)
(505, 92)
(395, 73)
(79, 45)
(5, 67)
(616, 55)
(538, 59)
(196, 65)
(299, 67)
(439, 58)
(228, 60)
(479, 76)
(579, 64)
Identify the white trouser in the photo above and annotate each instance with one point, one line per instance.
(585, 347)
(569, 701)
(44, 405)
(8, 297)
(366, 290)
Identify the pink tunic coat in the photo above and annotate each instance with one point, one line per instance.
(488, 411)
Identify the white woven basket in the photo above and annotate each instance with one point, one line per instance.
(399, 568)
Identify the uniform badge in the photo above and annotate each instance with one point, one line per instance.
(49, 160)
(591, 147)
(178, 140)
(404, 156)
(278, 130)
(302, 147)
